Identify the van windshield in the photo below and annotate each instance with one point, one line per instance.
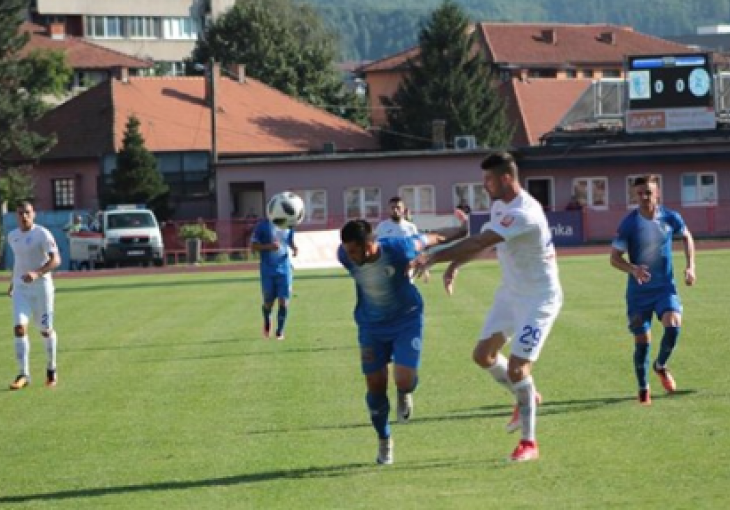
(130, 220)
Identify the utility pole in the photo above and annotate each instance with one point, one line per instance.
(213, 103)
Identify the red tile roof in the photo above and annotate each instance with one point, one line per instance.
(538, 104)
(252, 119)
(80, 53)
(525, 43)
(392, 62)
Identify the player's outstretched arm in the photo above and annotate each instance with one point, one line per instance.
(462, 252)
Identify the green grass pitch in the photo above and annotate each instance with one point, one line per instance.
(168, 397)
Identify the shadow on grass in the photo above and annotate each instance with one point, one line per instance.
(492, 411)
(228, 481)
(235, 280)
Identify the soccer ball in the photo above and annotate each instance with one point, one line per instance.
(285, 209)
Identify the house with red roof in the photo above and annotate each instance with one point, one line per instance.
(90, 62)
(543, 68)
(186, 135)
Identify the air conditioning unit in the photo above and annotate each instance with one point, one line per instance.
(465, 142)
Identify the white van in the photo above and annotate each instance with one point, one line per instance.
(120, 235)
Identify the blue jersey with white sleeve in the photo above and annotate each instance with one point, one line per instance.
(385, 293)
(274, 261)
(648, 242)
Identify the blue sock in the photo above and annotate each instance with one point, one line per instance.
(266, 312)
(641, 363)
(669, 342)
(379, 407)
(280, 319)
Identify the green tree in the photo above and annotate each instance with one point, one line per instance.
(450, 82)
(285, 45)
(17, 184)
(25, 80)
(136, 179)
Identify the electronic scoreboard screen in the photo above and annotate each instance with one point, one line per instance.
(670, 93)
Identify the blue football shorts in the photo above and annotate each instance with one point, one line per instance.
(400, 343)
(640, 309)
(275, 286)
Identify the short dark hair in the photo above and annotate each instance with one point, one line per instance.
(647, 179)
(359, 231)
(22, 204)
(502, 163)
(395, 199)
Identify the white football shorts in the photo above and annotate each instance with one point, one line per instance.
(527, 320)
(34, 301)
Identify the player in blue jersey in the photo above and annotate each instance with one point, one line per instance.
(646, 235)
(389, 316)
(276, 246)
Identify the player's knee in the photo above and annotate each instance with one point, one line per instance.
(642, 337)
(671, 319)
(483, 357)
(46, 333)
(20, 330)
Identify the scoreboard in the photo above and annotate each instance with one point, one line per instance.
(670, 93)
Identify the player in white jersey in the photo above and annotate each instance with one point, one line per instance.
(397, 225)
(527, 301)
(35, 255)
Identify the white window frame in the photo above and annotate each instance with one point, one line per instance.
(588, 199)
(472, 196)
(367, 202)
(413, 198)
(315, 205)
(711, 200)
(149, 26)
(180, 28)
(107, 25)
(631, 202)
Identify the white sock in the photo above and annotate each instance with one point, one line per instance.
(22, 354)
(51, 342)
(525, 391)
(499, 372)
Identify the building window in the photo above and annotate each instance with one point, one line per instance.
(611, 73)
(472, 194)
(699, 189)
(591, 192)
(104, 27)
(143, 27)
(631, 201)
(571, 73)
(180, 28)
(418, 199)
(587, 73)
(363, 203)
(315, 205)
(63, 193)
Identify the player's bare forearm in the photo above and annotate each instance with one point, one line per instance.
(639, 272)
(689, 254)
(689, 249)
(467, 249)
(264, 247)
